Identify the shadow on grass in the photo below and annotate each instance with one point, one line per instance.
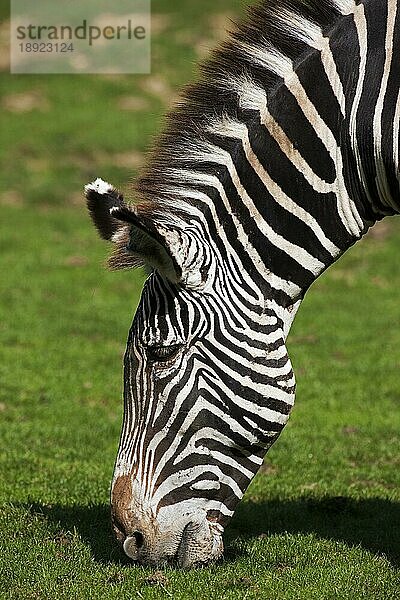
(92, 524)
(374, 524)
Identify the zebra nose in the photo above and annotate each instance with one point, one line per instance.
(131, 539)
(134, 541)
(182, 543)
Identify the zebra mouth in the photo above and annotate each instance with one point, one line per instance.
(200, 543)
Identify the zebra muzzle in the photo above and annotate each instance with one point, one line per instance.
(199, 543)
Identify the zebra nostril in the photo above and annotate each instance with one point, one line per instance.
(132, 544)
(139, 539)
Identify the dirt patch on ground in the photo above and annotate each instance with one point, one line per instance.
(304, 339)
(76, 261)
(160, 23)
(156, 578)
(348, 277)
(77, 199)
(25, 102)
(267, 468)
(132, 103)
(96, 160)
(156, 86)
(128, 160)
(11, 198)
(220, 24)
(381, 230)
(37, 165)
(350, 430)
(218, 28)
(5, 46)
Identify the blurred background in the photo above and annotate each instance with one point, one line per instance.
(63, 318)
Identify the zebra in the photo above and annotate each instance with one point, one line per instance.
(278, 159)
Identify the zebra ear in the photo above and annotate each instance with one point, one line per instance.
(138, 241)
(100, 198)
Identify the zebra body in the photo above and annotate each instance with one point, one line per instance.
(273, 165)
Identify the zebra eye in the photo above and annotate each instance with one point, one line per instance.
(162, 353)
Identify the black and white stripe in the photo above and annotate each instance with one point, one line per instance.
(202, 419)
(280, 159)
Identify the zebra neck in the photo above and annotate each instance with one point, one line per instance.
(288, 150)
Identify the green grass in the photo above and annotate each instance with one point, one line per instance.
(322, 519)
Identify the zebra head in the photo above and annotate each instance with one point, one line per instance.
(208, 387)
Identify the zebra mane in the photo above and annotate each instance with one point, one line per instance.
(271, 42)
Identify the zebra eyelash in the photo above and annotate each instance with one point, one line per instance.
(162, 353)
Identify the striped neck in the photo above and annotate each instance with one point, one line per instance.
(296, 157)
